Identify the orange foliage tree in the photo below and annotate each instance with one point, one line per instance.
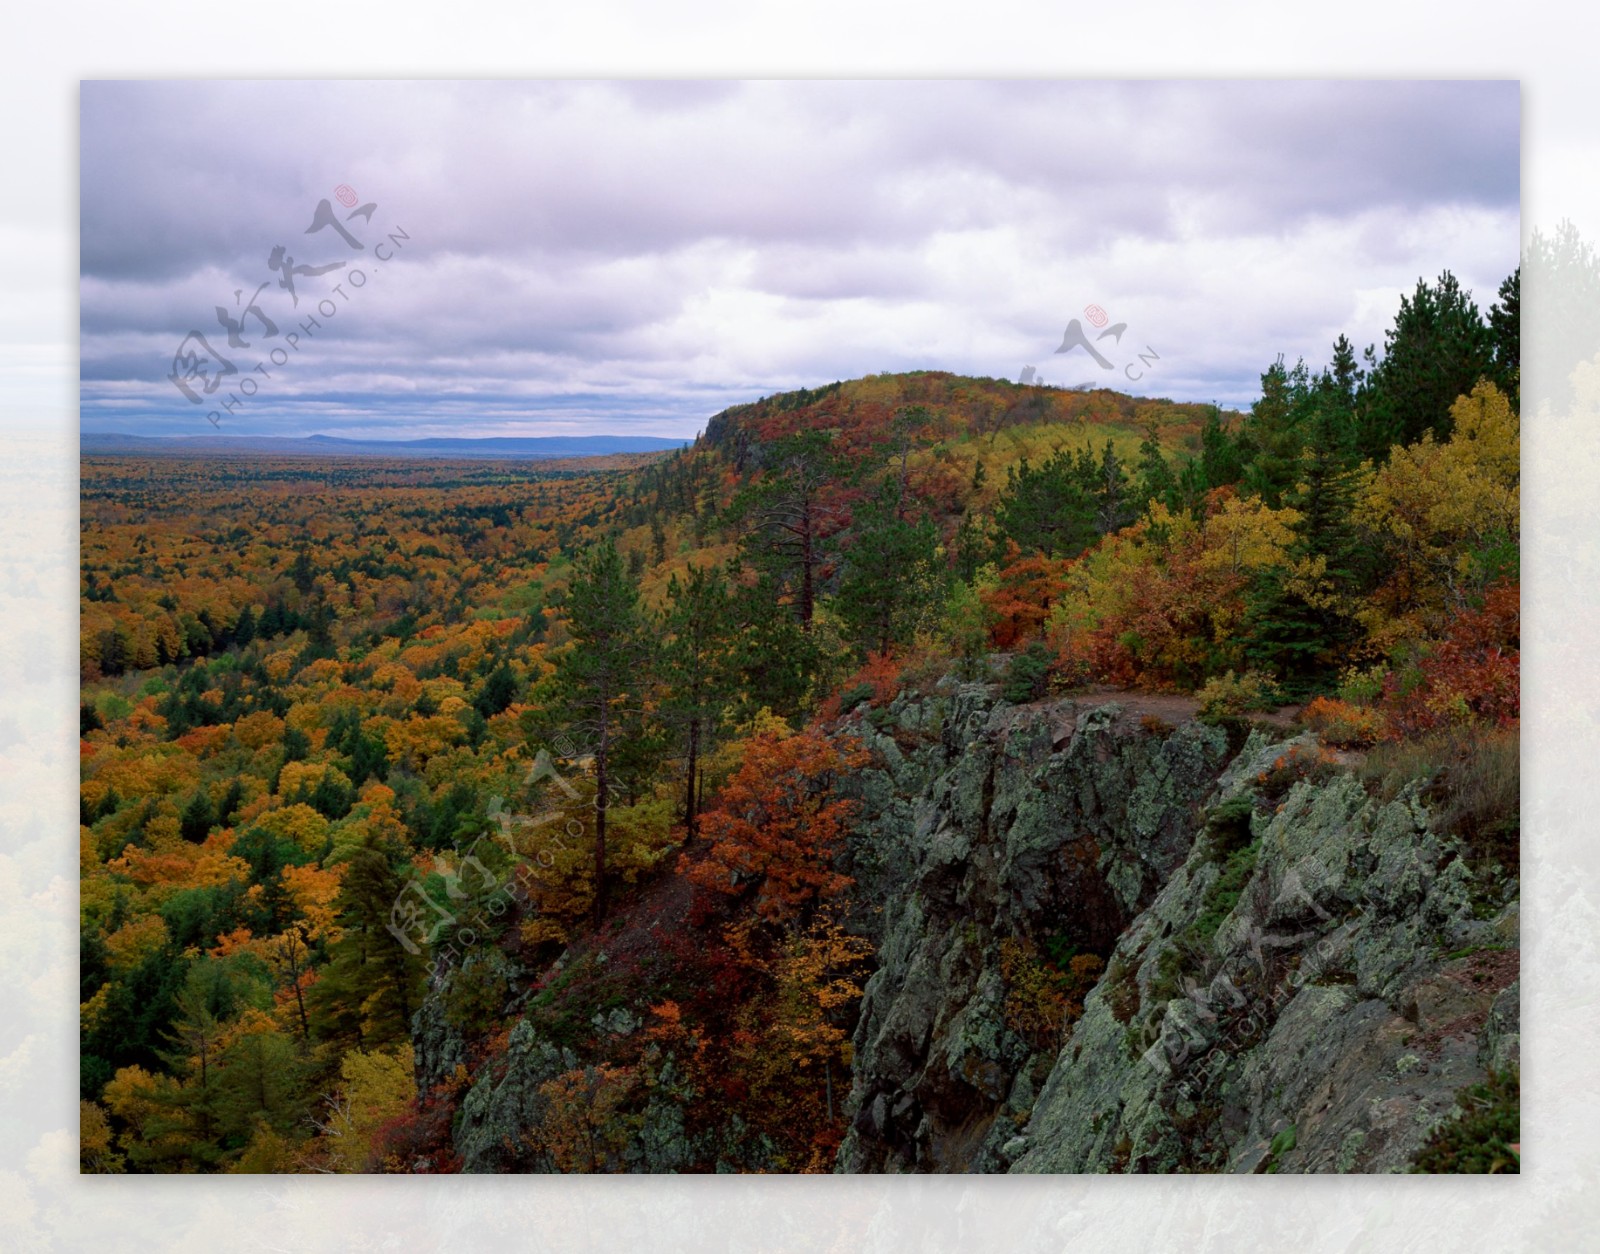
(1021, 595)
(777, 823)
(787, 1046)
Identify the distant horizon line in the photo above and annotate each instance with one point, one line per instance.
(430, 439)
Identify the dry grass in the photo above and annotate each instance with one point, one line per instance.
(1473, 785)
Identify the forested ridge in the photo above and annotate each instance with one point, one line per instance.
(377, 754)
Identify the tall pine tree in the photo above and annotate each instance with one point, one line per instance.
(601, 685)
(1050, 508)
(696, 672)
(789, 518)
(373, 982)
(1437, 350)
(892, 573)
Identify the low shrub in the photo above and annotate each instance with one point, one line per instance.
(877, 683)
(1485, 1137)
(1288, 769)
(1470, 676)
(1027, 675)
(1471, 778)
(1342, 724)
(1224, 893)
(1155, 725)
(1359, 686)
(1043, 999)
(1122, 989)
(1228, 826)
(1231, 695)
(857, 695)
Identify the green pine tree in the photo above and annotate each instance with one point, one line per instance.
(775, 658)
(373, 982)
(697, 675)
(198, 817)
(1297, 638)
(1437, 350)
(600, 687)
(1050, 508)
(787, 518)
(892, 573)
(498, 692)
(1153, 474)
(1505, 328)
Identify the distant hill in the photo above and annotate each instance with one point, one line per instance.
(951, 441)
(862, 413)
(509, 447)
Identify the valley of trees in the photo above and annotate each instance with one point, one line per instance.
(346, 723)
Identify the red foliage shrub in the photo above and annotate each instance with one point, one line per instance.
(1472, 675)
(881, 677)
(419, 1141)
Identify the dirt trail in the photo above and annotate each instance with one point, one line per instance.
(1170, 708)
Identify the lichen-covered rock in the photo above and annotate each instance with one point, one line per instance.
(1500, 1042)
(993, 822)
(497, 1112)
(661, 1145)
(1322, 1020)
(485, 974)
(1296, 977)
(437, 1044)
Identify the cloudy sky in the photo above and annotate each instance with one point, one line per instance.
(566, 257)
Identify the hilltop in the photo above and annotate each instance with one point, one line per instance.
(950, 443)
(943, 409)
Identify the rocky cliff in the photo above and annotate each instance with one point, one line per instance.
(1105, 943)
(1296, 976)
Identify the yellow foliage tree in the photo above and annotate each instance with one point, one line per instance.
(298, 823)
(788, 1046)
(259, 729)
(1442, 513)
(135, 941)
(157, 1131)
(376, 1087)
(96, 1154)
(558, 868)
(1245, 535)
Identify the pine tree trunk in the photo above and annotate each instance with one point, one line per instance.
(691, 815)
(807, 591)
(601, 802)
(299, 997)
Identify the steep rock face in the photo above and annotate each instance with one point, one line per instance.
(1350, 988)
(990, 822)
(498, 1110)
(494, 1127)
(1297, 977)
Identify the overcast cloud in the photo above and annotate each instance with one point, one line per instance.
(632, 257)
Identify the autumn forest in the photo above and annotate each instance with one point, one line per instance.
(403, 778)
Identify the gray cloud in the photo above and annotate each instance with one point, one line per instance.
(636, 255)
